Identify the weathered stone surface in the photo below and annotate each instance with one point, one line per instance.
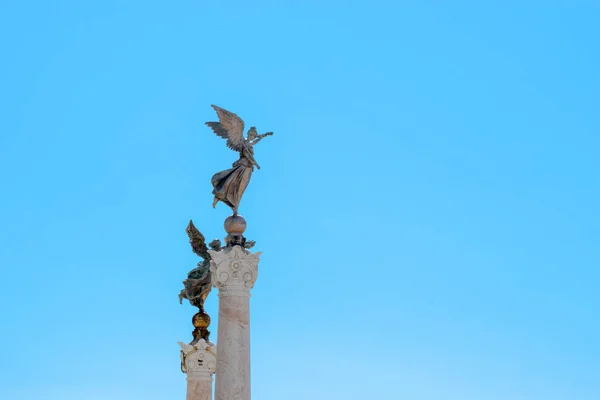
(199, 362)
(234, 271)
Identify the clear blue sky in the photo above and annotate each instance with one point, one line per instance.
(427, 208)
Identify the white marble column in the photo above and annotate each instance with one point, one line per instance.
(199, 362)
(234, 271)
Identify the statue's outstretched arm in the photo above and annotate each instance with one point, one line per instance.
(260, 137)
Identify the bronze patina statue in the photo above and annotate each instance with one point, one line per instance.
(229, 185)
(198, 283)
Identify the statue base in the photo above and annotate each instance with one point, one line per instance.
(234, 271)
(235, 226)
(201, 321)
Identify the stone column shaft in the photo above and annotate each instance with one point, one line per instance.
(199, 363)
(199, 389)
(234, 271)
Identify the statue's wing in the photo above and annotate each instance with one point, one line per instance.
(230, 127)
(197, 241)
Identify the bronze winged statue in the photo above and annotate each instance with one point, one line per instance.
(197, 285)
(229, 185)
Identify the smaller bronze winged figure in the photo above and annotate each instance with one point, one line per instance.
(197, 285)
(229, 185)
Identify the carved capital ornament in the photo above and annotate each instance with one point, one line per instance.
(199, 361)
(234, 271)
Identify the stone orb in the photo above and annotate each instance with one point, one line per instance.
(235, 225)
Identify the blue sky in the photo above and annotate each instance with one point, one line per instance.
(427, 208)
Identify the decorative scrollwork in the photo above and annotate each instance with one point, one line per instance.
(199, 360)
(234, 270)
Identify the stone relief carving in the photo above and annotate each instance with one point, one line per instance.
(234, 269)
(199, 360)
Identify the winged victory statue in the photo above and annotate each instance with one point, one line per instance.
(229, 185)
(198, 283)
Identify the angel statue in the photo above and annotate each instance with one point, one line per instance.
(197, 285)
(229, 185)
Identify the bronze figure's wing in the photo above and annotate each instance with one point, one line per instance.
(230, 127)
(197, 241)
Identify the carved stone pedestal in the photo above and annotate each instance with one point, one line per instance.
(199, 363)
(234, 271)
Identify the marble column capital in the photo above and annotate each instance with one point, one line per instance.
(234, 270)
(199, 361)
